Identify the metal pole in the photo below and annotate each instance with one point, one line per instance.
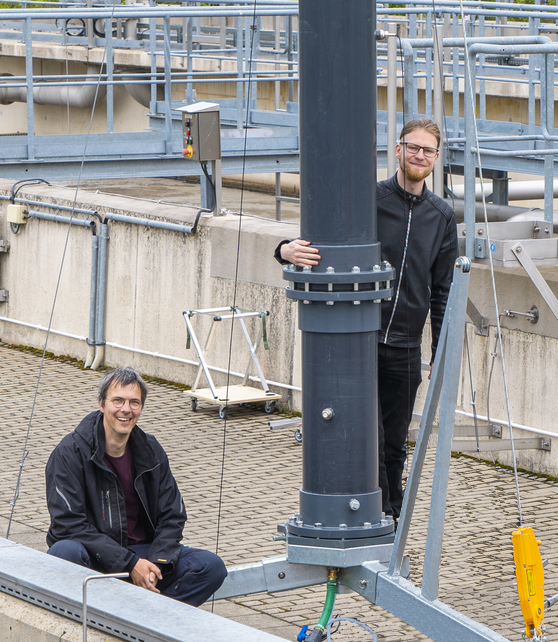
(340, 498)
(101, 298)
(29, 81)
(438, 50)
(391, 99)
(85, 582)
(92, 301)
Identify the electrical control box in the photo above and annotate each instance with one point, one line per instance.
(201, 131)
(16, 214)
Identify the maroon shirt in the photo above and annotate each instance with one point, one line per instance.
(123, 468)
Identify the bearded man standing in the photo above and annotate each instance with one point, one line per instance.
(418, 236)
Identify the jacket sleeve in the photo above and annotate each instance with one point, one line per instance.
(442, 274)
(277, 254)
(171, 517)
(69, 518)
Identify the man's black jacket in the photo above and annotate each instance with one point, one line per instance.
(430, 257)
(431, 254)
(86, 502)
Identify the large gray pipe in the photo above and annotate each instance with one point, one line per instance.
(76, 95)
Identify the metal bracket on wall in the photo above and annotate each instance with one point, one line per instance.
(480, 322)
(542, 286)
(4, 247)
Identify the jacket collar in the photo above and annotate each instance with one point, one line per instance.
(92, 430)
(407, 196)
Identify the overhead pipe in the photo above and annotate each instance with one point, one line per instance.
(517, 190)
(72, 95)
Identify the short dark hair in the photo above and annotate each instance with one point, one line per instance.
(122, 377)
(429, 125)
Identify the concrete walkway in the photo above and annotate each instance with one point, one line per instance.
(259, 489)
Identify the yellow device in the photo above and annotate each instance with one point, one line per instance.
(530, 580)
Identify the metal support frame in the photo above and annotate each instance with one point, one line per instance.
(377, 571)
(217, 315)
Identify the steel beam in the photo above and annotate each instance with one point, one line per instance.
(400, 597)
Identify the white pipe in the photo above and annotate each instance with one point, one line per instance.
(517, 190)
(81, 96)
(189, 362)
(500, 422)
(40, 327)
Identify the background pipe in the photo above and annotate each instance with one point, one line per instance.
(92, 302)
(101, 298)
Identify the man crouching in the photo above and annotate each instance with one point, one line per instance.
(114, 504)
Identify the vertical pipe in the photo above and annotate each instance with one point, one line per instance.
(391, 98)
(29, 85)
(338, 214)
(101, 298)
(153, 60)
(168, 88)
(110, 76)
(190, 62)
(469, 158)
(278, 196)
(428, 109)
(240, 74)
(455, 72)
(89, 28)
(547, 112)
(277, 45)
(438, 50)
(92, 301)
(289, 38)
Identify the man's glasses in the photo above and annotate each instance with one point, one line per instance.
(429, 152)
(118, 402)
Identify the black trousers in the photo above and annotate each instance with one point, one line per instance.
(399, 376)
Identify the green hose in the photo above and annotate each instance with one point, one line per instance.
(328, 608)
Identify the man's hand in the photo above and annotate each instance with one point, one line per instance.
(146, 574)
(299, 252)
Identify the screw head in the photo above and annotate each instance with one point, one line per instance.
(281, 575)
(327, 414)
(354, 504)
(363, 583)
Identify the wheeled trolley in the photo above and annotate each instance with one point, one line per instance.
(226, 396)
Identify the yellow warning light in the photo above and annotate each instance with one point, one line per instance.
(530, 580)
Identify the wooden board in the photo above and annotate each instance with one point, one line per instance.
(236, 394)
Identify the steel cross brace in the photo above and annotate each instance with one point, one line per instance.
(365, 570)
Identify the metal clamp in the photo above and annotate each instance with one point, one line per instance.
(85, 581)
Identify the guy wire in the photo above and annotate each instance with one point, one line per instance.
(27, 434)
(235, 287)
(471, 97)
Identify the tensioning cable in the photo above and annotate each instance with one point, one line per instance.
(471, 98)
(235, 286)
(25, 452)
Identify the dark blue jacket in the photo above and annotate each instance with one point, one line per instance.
(86, 502)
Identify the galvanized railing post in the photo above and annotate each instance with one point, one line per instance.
(391, 98)
(29, 85)
(438, 50)
(85, 582)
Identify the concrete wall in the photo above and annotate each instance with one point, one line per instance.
(154, 275)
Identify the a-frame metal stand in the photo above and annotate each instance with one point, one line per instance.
(376, 572)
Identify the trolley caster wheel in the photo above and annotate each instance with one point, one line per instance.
(298, 435)
(269, 407)
(193, 404)
(223, 412)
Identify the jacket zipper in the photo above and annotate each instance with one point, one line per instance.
(141, 498)
(403, 263)
(109, 508)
